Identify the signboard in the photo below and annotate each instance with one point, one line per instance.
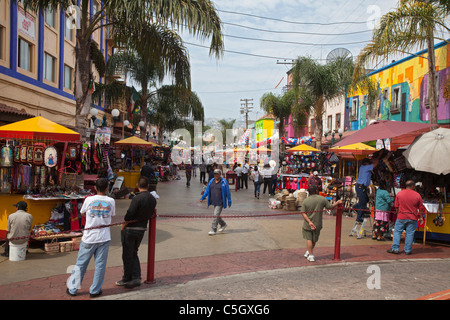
(26, 23)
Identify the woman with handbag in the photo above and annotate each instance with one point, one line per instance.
(257, 180)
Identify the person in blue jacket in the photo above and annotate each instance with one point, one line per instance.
(218, 193)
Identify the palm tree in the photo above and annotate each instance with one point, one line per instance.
(280, 107)
(134, 22)
(174, 108)
(147, 71)
(412, 24)
(315, 83)
(226, 125)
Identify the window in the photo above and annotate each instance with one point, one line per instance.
(25, 54)
(68, 29)
(355, 106)
(395, 103)
(330, 122)
(49, 17)
(338, 121)
(49, 67)
(94, 8)
(67, 77)
(2, 45)
(312, 127)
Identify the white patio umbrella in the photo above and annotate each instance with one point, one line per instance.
(430, 152)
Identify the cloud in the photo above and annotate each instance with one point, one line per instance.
(221, 84)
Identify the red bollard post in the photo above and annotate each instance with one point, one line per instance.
(337, 239)
(151, 249)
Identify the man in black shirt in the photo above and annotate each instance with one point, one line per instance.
(141, 210)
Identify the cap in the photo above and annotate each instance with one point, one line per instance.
(315, 173)
(21, 205)
(217, 171)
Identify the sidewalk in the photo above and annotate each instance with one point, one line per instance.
(186, 254)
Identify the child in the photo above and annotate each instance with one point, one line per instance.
(383, 203)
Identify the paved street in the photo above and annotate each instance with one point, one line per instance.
(255, 258)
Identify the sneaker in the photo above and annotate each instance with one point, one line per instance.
(133, 283)
(95, 295)
(212, 232)
(70, 294)
(120, 283)
(310, 258)
(393, 251)
(306, 255)
(221, 229)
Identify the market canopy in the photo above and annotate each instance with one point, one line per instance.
(135, 141)
(303, 148)
(430, 152)
(402, 132)
(356, 148)
(38, 128)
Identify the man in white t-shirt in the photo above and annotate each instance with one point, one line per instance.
(95, 241)
(244, 179)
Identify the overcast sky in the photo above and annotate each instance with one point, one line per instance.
(221, 84)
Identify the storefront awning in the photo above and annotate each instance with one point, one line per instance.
(403, 132)
(38, 128)
(135, 141)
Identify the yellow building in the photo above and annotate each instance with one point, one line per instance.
(264, 127)
(37, 61)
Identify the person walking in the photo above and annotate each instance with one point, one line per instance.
(257, 180)
(383, 203)
(312, 211)
(135, 222)
(362, 183)
(96, 238)
(219, 196)
(238, 171)
(408, 204)
(314, 180)
(188, 171)
(245, 170)
(267, 175)
(19, 225)
(202, 172)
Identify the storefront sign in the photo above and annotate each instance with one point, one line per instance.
(26, 23)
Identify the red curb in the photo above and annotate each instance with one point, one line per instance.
(183, 270)
(443, 295)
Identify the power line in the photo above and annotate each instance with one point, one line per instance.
(242, 53)
(295, 32)
(296, 22)
(298, 43)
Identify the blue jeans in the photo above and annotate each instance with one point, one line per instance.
(363, 199)
(410, 227)
(87, 250)
(257, 188)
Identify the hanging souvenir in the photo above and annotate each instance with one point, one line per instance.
(72, 152)
(23, 153)
(30, 154)
(6, 157)
(50, 157)
(38, 155)
(17, 154)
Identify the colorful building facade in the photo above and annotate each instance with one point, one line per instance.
(403, 87)
(264, 127)
(37, 61)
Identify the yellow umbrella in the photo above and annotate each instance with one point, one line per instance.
(356, 148)
(263, 149)
(38, 128)
(135, 141)
(303, 148)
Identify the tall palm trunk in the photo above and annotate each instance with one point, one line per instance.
(83, 76)
(431, 92)
(318, 114)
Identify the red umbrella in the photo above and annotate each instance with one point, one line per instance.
(402, 132)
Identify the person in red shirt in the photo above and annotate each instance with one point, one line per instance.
(409, 205)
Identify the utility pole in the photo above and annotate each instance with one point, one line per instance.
(245, 109)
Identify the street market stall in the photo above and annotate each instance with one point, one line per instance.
(136, 149)
(429, 154)
(40, 164)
